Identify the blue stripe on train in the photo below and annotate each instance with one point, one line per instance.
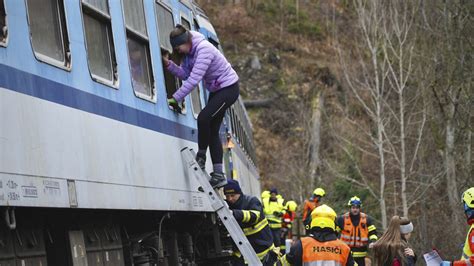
(36, 86)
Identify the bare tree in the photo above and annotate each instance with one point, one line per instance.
(367, 82)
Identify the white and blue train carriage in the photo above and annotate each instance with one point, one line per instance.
(90, 165)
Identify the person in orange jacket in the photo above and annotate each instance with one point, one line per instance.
(310, 204)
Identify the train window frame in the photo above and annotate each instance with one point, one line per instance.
(170, 83)
(66, 64)
(142, 39)
(96, 13)
(4, 29)
(196, 92)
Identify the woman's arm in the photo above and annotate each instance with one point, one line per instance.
(176, 70)
(203, 60)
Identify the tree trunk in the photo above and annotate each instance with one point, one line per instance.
(450, 167)
(315, 160)
(403, 176)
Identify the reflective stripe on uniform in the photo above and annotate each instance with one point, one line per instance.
(275, 226)
(260, 255)
(356, 254)
(246, 216)
(322, 263)
(372, 228)
(467, 252)
(264, 253)
(256, 228)
(257, 213)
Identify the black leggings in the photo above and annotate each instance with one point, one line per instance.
(210, 119)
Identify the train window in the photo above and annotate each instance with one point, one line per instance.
(164, 19)
(185, 23)
(196, 25)
(3, 23)
(138, 48)
(48, 31)
(195, 99)
(99, 40)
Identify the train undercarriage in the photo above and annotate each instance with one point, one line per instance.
(78, 237)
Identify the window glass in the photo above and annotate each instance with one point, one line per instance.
(165, 26)
(100, 48)
(101, 5)
(48, 29)
(3, 22)
(138, 48)
(196, 100)
(135, 15)
(139, 67)
(186, 23)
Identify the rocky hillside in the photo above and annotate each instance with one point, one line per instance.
(313, 74)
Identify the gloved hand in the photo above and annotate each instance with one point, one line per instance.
(174, 104)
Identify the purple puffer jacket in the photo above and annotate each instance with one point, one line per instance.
(206, 63)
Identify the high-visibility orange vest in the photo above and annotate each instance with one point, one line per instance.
(355, 236)
(334, 253)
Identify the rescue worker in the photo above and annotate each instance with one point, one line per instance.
(357, 230)
(310, 204)
(248, 212)
(274, 210)
(321, 247)
(265, 194)
(288, 218)
(468, 248)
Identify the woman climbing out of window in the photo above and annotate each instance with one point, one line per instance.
(203, 61)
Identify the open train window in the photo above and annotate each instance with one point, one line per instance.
(48, 31)
(99, 41)
(164, 19)
(195, 98)
(3, 23)
(138, 49)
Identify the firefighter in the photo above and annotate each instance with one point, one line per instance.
(274, 211)
(468, 248)
(321, 247)
(288, 218)
(357, 230)
(310, 204)
(248, 212)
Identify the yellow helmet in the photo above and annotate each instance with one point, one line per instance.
(323, 217)
(319, 192)
(468, 197)
(265, 194)
(354, 201)
(291, 206)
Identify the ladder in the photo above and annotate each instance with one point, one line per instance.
(220, 206)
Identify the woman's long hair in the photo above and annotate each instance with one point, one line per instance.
(392, 244)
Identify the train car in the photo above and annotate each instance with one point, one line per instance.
(90, 164)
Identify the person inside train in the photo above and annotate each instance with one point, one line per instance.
(204, 62)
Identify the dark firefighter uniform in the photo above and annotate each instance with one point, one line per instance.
(248, 212)
(321, 247)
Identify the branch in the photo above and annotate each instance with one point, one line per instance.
(260, 103)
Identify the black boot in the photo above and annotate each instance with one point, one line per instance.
(201, 160)
(218, 180)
